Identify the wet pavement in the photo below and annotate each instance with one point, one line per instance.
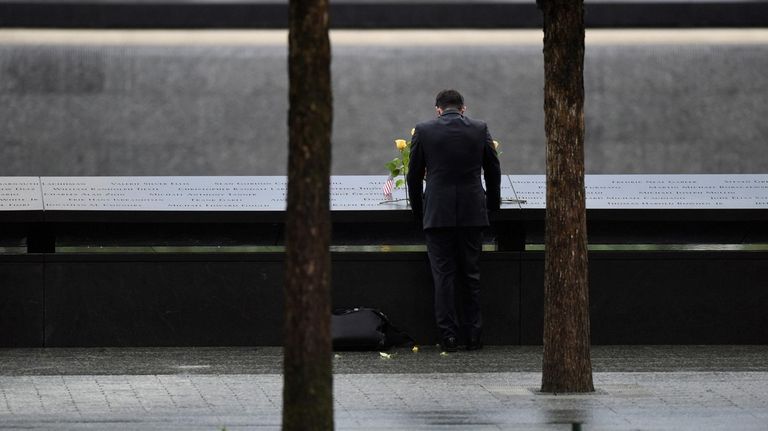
(637, 388)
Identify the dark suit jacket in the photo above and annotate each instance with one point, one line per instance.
(452, 149)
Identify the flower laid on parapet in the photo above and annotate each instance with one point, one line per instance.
(398, 167)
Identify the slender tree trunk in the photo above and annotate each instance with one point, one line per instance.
(308, 377)
(567, 364)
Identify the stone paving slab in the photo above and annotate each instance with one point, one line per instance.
(670, 395)
(679, 401)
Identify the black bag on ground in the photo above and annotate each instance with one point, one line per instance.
(364, 328)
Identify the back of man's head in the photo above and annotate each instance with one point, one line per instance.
(449, 99)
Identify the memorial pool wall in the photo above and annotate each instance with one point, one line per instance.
(163, 109)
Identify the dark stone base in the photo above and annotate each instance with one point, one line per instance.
(663, 298)
(21, 301)
(230, 299)
(223, 300)
(163, 301)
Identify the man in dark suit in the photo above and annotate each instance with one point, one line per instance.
(450, 151)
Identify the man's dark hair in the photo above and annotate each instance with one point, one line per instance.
(449, 99)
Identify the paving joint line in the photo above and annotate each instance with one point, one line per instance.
(71, 397)
(39, 395)
(7, 401)
(136, 394)
(208, 404)
(232, 391)
(165, 388)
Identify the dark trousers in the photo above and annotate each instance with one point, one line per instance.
(454, 255)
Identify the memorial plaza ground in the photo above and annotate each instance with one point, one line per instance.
(638, 388)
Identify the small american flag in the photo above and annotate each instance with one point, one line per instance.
(387, 189)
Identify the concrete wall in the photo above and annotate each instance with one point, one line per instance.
(222, 110)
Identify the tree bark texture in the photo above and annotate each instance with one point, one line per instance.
(567, 365)
(308, 376)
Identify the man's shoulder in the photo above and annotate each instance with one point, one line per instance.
(427, 124)
(480, 124)
(437, 123)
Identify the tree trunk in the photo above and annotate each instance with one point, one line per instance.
(308, 376)
(567, 364)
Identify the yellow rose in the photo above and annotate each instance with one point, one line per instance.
(413, 131)
(400, 144)
(496, 145)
